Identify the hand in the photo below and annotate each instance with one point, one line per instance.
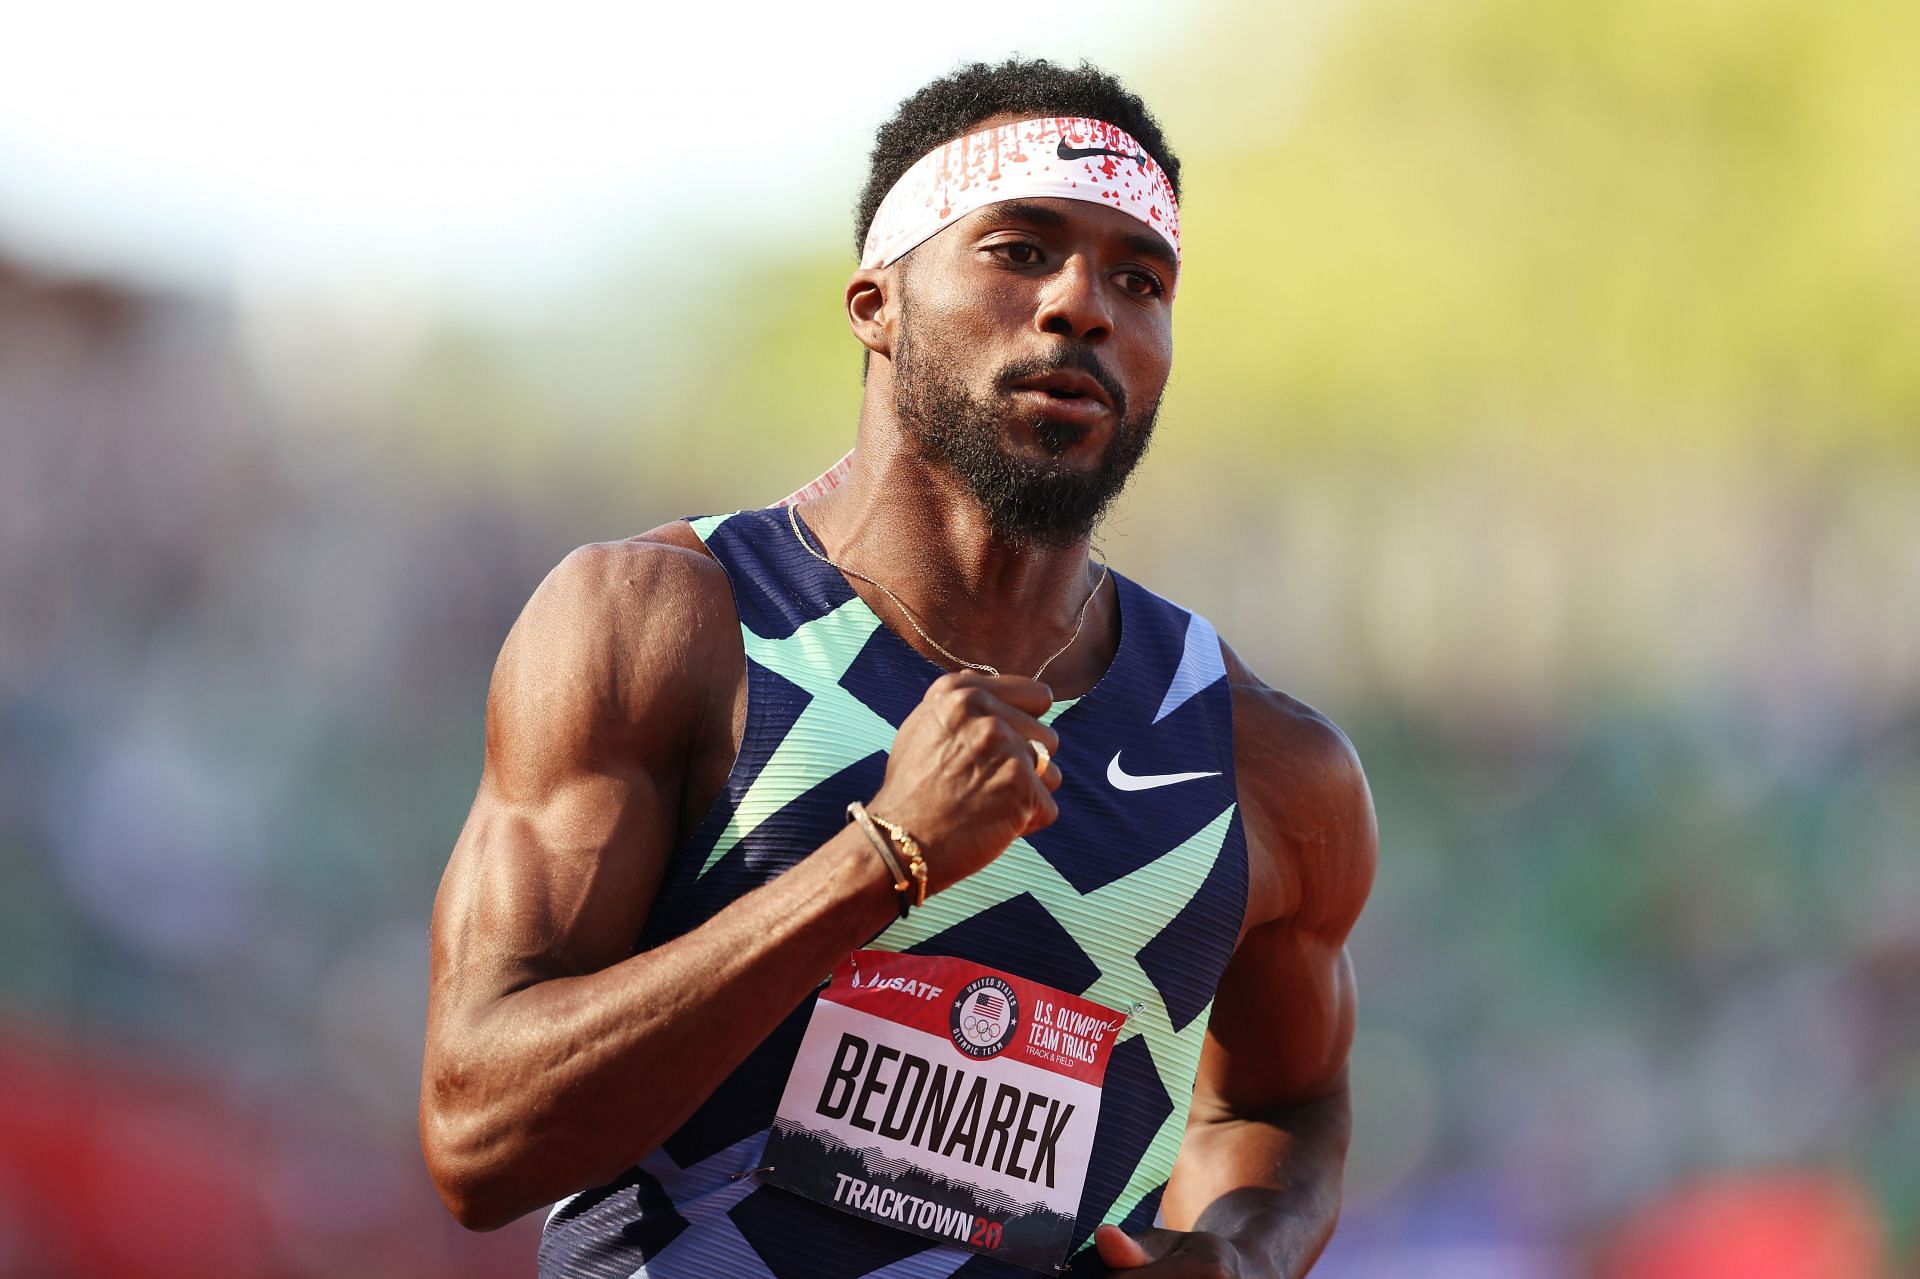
(961, 777)
(1172, 1253)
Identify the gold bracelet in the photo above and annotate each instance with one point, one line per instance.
(908, 845)
(857, 812)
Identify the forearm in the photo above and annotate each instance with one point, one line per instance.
(1269, 1183)
(565, 1082)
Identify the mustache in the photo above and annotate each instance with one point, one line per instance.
(1072, 355)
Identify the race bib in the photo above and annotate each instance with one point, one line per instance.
(947, 1099)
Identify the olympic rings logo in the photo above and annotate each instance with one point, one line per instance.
(984, 1015)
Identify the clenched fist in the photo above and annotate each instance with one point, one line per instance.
(962, 776)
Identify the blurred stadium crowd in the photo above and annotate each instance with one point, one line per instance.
(1590, 508)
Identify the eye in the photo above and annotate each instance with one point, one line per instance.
(1142, 283)
(1018, 252)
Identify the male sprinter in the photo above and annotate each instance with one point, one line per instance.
(875, 885)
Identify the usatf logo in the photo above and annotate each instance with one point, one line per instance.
(985, 1013)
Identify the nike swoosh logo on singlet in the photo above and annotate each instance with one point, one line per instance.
(1066, 152)
(1123, 780)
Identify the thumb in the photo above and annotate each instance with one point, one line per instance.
(1123, 1252)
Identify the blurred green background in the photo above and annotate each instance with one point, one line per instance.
(1546, 411)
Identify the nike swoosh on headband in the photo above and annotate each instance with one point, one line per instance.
(1066, 152)
(1121, 779)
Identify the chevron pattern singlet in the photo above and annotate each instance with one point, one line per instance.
(1130, 898)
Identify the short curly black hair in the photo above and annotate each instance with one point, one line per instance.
(951, 106)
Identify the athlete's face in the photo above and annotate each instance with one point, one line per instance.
(1032, 343)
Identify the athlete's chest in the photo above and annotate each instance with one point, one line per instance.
(1140, 883)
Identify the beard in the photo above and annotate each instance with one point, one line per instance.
(1029, 502)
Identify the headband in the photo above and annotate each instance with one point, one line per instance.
(1060, 156)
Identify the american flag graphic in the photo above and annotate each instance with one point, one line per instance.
(989, 1004)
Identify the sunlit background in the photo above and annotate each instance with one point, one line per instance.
(1546, 411)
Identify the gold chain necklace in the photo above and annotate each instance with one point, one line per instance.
(793, 518)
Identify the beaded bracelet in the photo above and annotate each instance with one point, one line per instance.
(857, 812)
(911, 848)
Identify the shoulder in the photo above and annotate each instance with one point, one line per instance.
(664, 574)
(622, 642)
(1308, 811)
(646, 604)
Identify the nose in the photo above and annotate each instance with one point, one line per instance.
(1074, 303)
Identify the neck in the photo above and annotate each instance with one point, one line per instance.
(917, 528)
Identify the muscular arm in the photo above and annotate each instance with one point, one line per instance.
(1258, 1177)
(555, 1056)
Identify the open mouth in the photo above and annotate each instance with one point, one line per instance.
(1068, 386)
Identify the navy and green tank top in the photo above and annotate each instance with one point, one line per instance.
(1133, 899)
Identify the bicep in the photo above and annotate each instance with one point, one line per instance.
(1282, 1023)
(552, 886)
(1269, 1101)
(564, 849)
(1284, 1011)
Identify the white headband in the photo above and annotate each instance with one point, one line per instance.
(1059, 156)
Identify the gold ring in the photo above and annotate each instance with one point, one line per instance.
(1041, 756)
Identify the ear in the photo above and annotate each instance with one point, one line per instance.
(870, 310)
